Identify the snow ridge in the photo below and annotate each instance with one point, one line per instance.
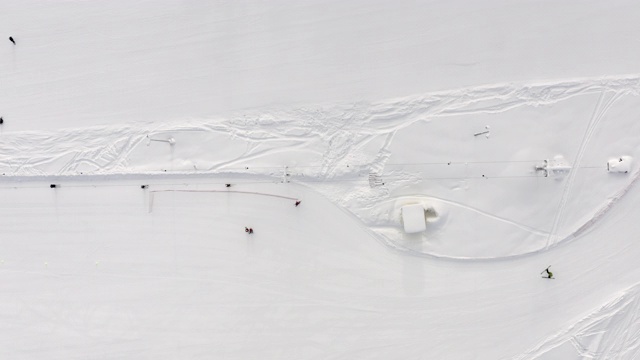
(610, 332)
(334, 132)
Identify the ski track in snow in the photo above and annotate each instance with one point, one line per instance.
(586, 226)
(342, 128)
(598, 114)
(337, 134)
(611, 332)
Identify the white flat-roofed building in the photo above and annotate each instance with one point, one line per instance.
(413, 218)
(619, 165)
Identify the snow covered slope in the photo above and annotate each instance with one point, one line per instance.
(82, 63)
(499, 118)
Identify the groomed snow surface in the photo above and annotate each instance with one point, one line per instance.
(497, 119)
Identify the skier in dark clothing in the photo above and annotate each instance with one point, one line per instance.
(11, 39)
(246, 229)
(250, 230)
(549, 273)
(298, 203)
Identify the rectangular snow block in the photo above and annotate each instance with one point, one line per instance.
(413, 218)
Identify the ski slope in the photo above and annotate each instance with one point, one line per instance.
(353, 108)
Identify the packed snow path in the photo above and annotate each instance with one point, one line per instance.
(336, 151)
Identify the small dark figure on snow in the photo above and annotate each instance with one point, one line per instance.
(246, 229)
(549, 273)
(250, 230)
(298, 203)
(227, 185)
(1, 120)
(11, 39)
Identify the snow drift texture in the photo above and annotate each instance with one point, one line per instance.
(356, 109)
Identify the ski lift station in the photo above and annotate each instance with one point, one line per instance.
(619, 165)
(413, 218)
(556, 167)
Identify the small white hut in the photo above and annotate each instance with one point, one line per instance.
(413, 218)
(619, 165)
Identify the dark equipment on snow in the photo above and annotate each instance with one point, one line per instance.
(11, 39)
(144, 186)
(53, 186)
(227, 185)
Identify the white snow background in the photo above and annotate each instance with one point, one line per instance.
(356, 108)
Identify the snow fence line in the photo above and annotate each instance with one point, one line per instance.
(152, 194)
